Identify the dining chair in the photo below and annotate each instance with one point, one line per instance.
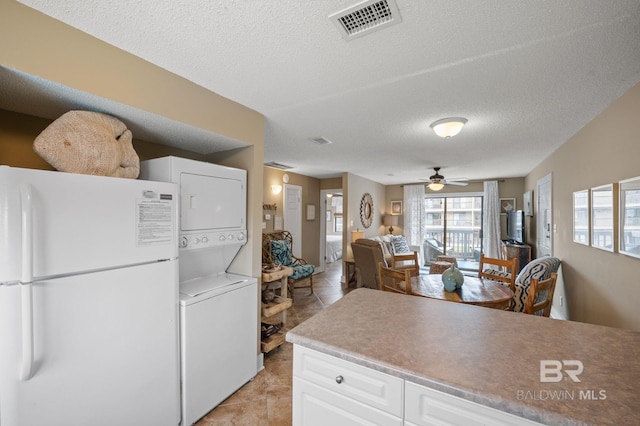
(540, 296)
(408, 261)
(394, 280)
(499, 270)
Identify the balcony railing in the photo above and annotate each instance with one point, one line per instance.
(463, 244)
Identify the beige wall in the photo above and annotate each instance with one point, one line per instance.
(601, 287)
(355, 187)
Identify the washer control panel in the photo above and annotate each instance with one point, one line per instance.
(197, 240)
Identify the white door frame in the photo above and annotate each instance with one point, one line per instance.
(292, 213)
(544, 221)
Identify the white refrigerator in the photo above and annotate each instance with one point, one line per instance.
(88, 300)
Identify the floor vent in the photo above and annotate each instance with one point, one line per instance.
(321, 141)
(277, 165)
(366, 17)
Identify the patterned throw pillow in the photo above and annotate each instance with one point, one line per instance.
(400, 245)
(280, 252)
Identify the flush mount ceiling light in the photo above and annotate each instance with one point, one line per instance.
(448, 127)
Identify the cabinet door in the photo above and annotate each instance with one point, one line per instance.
(317, 406)
(371, 387)
(425, 406)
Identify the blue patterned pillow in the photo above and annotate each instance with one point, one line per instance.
(280, 252)
(538, 268)
(400, 245)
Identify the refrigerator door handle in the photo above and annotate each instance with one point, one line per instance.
(26, 278)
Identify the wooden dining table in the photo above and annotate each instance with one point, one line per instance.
(474, 291)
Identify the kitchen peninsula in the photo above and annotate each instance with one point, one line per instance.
(410, 359)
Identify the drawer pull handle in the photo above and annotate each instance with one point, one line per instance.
(339, 379)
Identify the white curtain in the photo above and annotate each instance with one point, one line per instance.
(414, 214)
(491, 220)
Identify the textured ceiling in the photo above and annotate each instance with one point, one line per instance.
(527, 75)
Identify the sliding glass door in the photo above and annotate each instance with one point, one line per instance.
(453, 228)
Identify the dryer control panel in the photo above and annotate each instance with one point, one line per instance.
(199, 240)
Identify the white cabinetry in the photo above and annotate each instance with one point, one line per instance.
(425, 406)
(331, 391)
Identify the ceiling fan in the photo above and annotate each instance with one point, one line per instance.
(438, 181)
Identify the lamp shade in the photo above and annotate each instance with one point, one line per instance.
(276, 189)
(448, 127)
(390, 220)
(356, 235)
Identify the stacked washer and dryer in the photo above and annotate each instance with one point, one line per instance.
(218, 310)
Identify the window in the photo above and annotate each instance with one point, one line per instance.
(337, 223)
(453, 228)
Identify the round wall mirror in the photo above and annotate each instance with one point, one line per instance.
(366, 210)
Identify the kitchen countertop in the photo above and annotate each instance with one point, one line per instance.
(488, 356)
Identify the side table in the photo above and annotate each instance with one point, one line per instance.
(275, 312)
(350, 272)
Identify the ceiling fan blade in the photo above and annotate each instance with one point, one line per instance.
(457, 183)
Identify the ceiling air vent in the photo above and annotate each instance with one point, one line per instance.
(321, 141)
(277, 165)
(366, 17)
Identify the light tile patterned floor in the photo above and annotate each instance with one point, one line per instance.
(266, 400)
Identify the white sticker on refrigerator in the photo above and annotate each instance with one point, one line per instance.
(154, 222)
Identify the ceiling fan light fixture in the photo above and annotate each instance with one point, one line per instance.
(435, 186)
(448, 127)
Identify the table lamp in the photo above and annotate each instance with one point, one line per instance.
(390, 221)
(356, 235)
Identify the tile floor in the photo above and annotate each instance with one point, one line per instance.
(266, 400)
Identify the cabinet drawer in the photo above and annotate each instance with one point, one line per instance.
(316, 406)
(426, 406)
(368, 386)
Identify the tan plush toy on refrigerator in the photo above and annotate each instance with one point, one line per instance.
(89, 143)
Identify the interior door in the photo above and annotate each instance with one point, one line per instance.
(544, 221)
(293, 216)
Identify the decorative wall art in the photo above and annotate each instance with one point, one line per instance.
(629, 233)
(366, 210)
(311, 212)
(581, 217)
(507, 205)
(396, 207)
(602, 214)
(527, 198)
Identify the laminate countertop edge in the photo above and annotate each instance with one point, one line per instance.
(483, 355)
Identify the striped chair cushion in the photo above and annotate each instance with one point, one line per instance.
(538, 268)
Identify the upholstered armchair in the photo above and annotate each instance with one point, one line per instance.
(366, 255)
(277, 249)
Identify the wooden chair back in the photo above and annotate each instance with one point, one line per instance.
(536, 300)
(408, 261)
(394, 280)
(494, 272)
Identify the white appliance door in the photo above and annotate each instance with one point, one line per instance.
(208, 202)
(63, 223)
(219, 338)
(106, 350)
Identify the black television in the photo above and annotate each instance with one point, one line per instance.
(515, 227)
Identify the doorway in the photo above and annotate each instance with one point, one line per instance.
(331, 227)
